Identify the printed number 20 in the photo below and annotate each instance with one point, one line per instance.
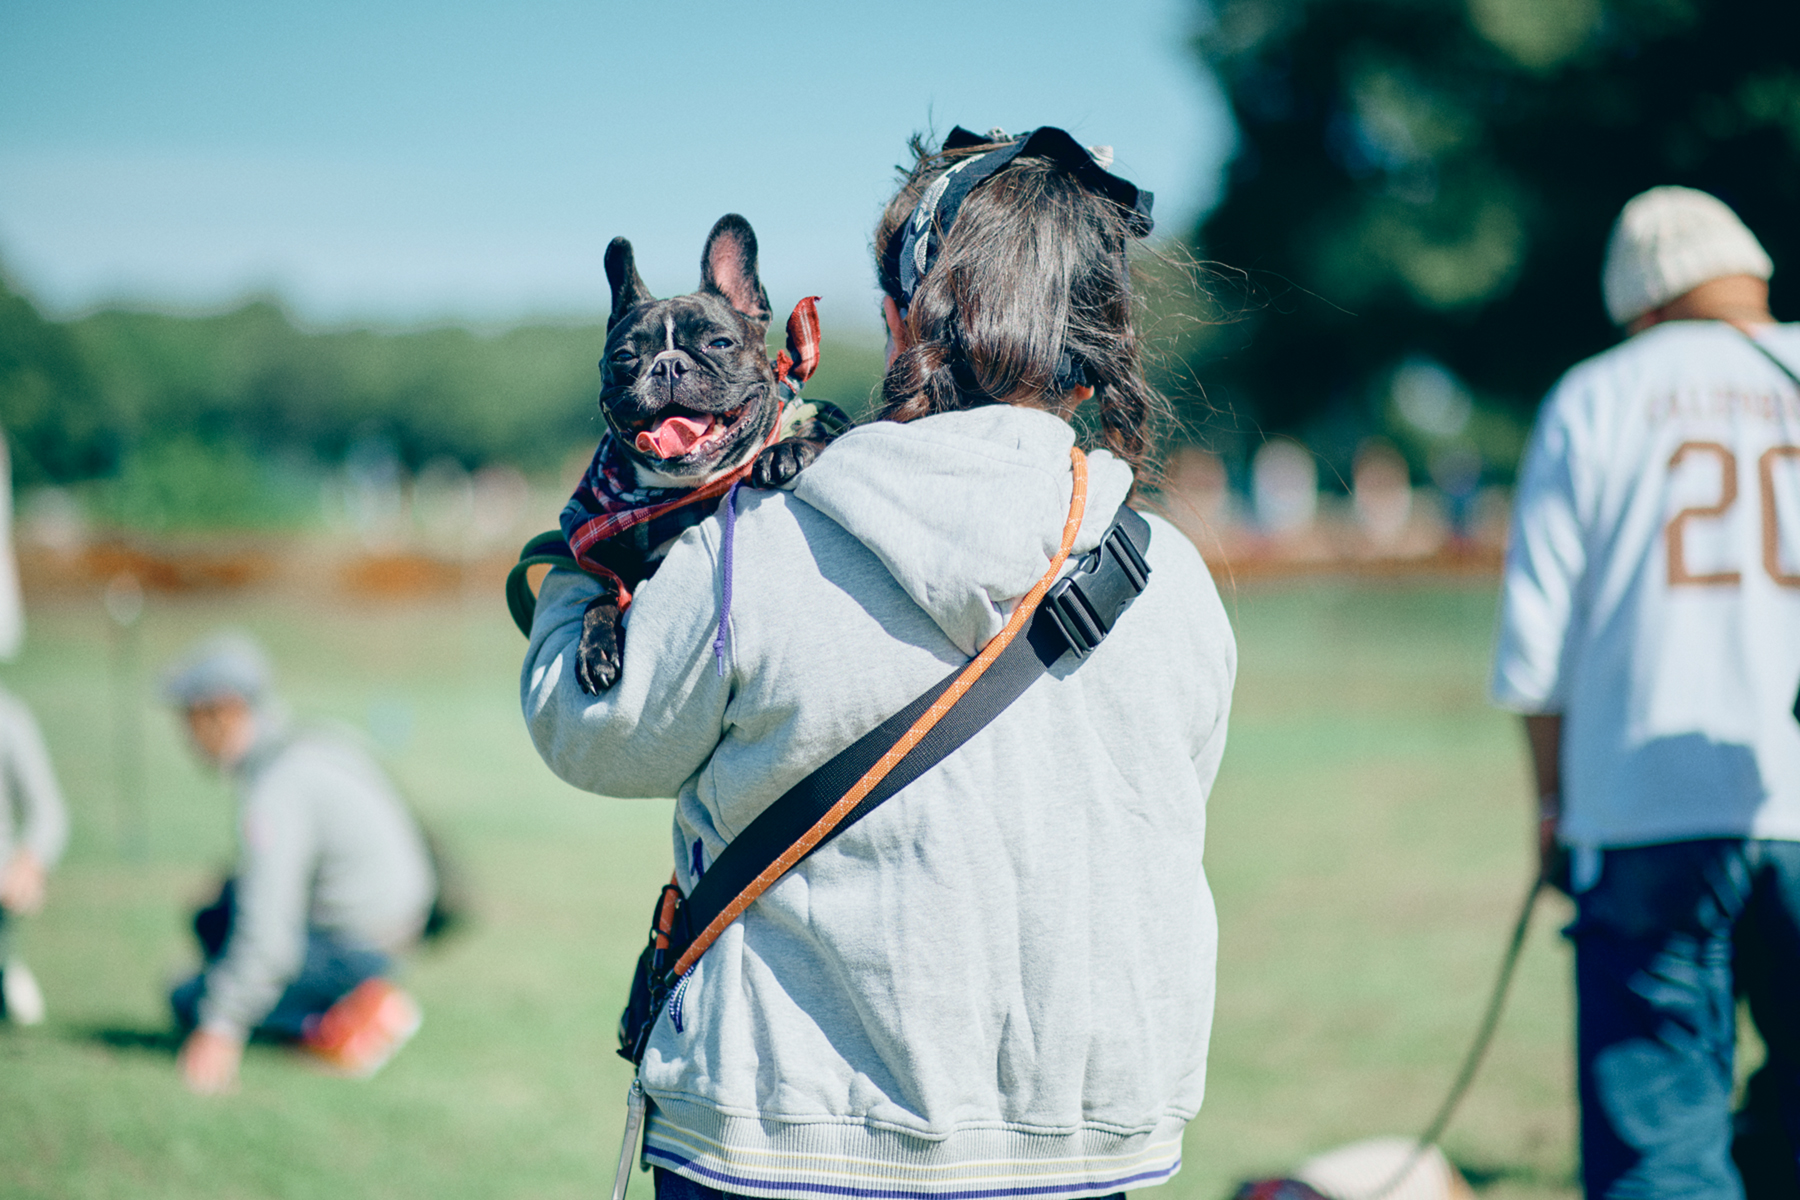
(1728, 476)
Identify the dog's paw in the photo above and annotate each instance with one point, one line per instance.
(781, 464)
(600, 656)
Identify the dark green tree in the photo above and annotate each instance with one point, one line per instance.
(233, 418)
(56, 422)
(1438, 177)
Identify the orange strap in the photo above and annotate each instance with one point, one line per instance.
(1021, 616)
(665, 912)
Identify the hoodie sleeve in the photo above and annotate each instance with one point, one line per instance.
(664, 717)
(278, 855)
(45, 819)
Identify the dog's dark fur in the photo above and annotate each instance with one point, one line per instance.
(699, 356)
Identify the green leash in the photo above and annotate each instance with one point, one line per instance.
(547, 549)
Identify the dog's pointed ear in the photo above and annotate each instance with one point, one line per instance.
(728, 267)
(628, 291)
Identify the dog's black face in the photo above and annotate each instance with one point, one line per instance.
(685, 383)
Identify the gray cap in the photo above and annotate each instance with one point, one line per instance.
(225, 664)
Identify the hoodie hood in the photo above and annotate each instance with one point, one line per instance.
(965, 509)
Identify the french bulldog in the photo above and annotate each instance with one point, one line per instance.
(689, 395)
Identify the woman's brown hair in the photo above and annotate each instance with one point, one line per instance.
(1033, 268)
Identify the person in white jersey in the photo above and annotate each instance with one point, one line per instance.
(1650, 633)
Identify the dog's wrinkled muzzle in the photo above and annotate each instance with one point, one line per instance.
(670, 366)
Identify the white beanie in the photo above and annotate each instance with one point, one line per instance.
(1670, 240)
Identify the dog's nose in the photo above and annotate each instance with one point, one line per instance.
(670, 365)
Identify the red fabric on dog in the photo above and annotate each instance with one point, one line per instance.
(801, 358)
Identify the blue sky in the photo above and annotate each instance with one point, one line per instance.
(401, 161)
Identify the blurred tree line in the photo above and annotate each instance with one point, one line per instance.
(1411, 236)
(234, 418)
(1409, 245)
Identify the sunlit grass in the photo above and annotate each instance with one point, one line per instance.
(1367, 845)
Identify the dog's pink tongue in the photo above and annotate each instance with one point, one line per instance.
(673, 436)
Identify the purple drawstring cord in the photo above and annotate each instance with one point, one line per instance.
(725, 567)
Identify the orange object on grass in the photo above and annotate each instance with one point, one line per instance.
(359, 1033)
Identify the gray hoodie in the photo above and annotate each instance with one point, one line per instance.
(32, 815)
(999, 982)
(324, 843)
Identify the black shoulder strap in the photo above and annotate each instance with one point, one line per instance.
(1770, 355)
(1075, 615)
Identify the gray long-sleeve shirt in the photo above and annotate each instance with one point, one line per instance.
(324, 843)
(32, 816)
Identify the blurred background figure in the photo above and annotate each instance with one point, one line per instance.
(33, 829)
(34, 826)
(1284, 497)
(1285, 485)
(1650, 631)
(1199, 479)
(1381, 492)
(1197, 498)
(333, 880)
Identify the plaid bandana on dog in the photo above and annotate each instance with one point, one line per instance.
(613, 527)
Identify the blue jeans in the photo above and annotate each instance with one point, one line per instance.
(1664, 941)
(329, 972)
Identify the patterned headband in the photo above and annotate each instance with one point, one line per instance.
(917, 243)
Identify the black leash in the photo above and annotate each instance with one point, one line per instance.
(1770, 355)
(1484, 1037)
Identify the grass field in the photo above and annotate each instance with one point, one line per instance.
(1367, 845)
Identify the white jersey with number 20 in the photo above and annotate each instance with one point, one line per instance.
(1652, 591)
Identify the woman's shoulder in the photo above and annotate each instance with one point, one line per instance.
(768, 533)
(1182, 584)
(761, 522)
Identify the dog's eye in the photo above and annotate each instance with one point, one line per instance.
(719, 344)
(623, 356)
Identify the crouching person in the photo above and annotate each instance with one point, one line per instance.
(333, 880)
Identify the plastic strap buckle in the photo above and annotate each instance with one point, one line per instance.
(1086, 603)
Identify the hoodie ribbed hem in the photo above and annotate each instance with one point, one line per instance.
(829, 1158)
